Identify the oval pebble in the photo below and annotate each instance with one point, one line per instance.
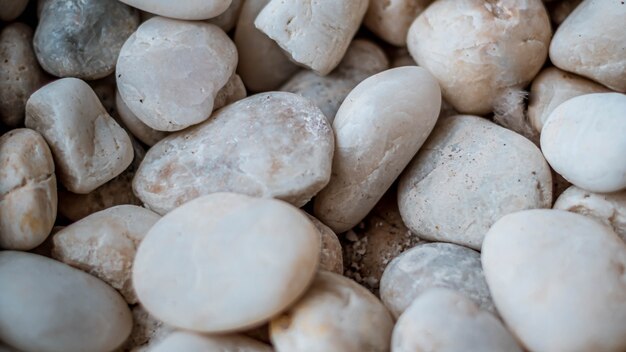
(557, 279)
(49, 307)
(583, 140)
(170, 71)
(335, 314)
(268, 145)
(467, 175)
(184, 10)
(11, 9)
(225, 262)
(190, 342)
(445, 321)
(431, 265)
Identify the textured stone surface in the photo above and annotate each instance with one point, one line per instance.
(583, 140)
(49, 306)
(479, 49)
(391, 19)
(552, 273)
(20, 74)
(314, 34)
(467, 175)
(188, 341)
(227, 20)
(551, 88)
(88, 146)
(11, 9)
(362, 60)
(230, 271)
(431, 265)
(446, 321)
(335, 314)
(378, 129)
(263, 66)
(82, 38)
(28, 194)
(268, 145)
(184, 10)
(104, 244)
(331, 257)
(591, 42)
(170, 71)
(147, 331)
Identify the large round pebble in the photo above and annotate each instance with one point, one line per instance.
(335, 314)
(583, 140)
(558, 280)
(184, 10)
(268, 145)
(169, 71)
(190, 342)
(225, 262)
(47, 306)
(431, 265)
(467, 175)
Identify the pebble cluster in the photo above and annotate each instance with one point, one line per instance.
(312, 176)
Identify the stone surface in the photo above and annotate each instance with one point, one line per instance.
(335, 314)
(607, 208)
(390, 19)
(185, 10)
(467, 175)
(188, 341)
(28, 194)
(147, 331)
(268, 145)
(331, 257)
(378, 129)
(170, 71)
(49, 306)
(230, 271)
(557, 279)
(446, 321)
(82, 38)
(314, 34)
(583, 140)
(263, 66)
(478, 50)
(20, 74)
(559, 10)
(11, 9)
(551, 88)
(363, 59)
(431, 265)
(231, 92)
(104, 244)
(146, 134)
(88, 146)
(227, 20)
(591, 42)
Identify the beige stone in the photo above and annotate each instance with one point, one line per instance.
(335, 314)
(147, 331)
(189, 341)
(591, 42)
(233, 270)
(231, 92)
(470, 173)
(49, 306)
(557, 279)
(478, 50)
(28, 194)
(11, 9)
(88, 146)
(378, 129)
(583, 140)
(551, 88)
(314, 34)
(227, 20)
(170, 71)
(446, 321)
(104, 244)
(363, 59)
(268, 145)
(391, 19)
(331, 257)
(185, 10)
(20, 74)
(263, 66)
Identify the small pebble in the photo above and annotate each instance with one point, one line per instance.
(331, 257)
(184, 10)
(227, 20)
(11, 9)
(189, 341)
(147, 331)
(390, 19)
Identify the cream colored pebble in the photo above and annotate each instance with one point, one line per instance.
(230, 271)
(227, 20)
(315, 34)
(185, 10)
(378, 129)
(89, 147)
(331, 256)
(104, 244)
(335, 314)
(391, 19)
(191, 342)
(28, 190)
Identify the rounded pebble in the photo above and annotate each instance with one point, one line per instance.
(11, 9)
(227, 20)
(331, 257)
(390, 19)
(184, 10)
(188, 341)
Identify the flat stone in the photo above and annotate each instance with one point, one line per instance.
(186, 10)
